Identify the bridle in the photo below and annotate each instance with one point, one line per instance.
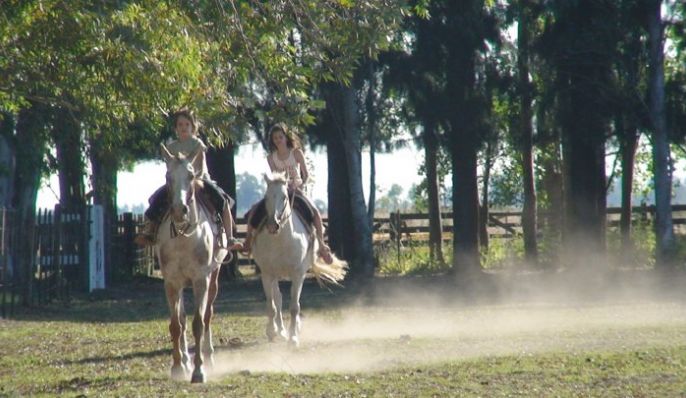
(185, 228)
(288, 209)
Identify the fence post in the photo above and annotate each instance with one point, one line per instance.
(129, 234)
(396, 225)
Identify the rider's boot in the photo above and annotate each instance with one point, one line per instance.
(227, 219)
(324, 251)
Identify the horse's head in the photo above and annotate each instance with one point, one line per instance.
(181, 172)
(276, 201)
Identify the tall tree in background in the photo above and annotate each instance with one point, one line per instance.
(7, 159)
(344, 144)
(529, 214)
(30, 143)
(467, 26)
(71, 166)
(662, 162)
(418, 74)
(222, 169)
(580, 45)
(630, 110)
(371, 119)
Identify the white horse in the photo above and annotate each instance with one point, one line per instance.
(188, 255)
(284, 249)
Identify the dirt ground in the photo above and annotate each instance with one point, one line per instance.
(396, 321)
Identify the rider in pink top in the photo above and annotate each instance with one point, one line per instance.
(287, 157)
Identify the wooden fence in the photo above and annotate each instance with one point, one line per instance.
(58, 260)
(60, 246)
(396, 228)
(501, 224)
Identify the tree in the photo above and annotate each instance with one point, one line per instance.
(630, 111)
(662, 163)
(467, 27)
(344, 138)
(529, 213)
(581, 45)
(416, 72)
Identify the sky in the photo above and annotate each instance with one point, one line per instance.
(399, 167)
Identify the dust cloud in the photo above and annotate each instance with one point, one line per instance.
(419, 329)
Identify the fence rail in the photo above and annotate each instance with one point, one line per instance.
(399, 228)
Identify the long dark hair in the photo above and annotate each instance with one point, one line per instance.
(292, 140)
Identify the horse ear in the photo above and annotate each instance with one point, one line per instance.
(165, 153)
(266, 178)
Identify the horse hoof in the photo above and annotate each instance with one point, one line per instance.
(209, 360)
(294, 342)
(178, 373)
(198, 377)
(272, 335)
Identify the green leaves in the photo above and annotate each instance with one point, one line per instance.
(123, 65)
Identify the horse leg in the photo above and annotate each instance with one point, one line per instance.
(278, 302)
(200, 288)
(185, 358)
(271, 308)
(207, 347)
(294, 329)
(173, 301)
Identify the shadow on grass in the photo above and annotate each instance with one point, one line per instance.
(144, 299)
(125, 357)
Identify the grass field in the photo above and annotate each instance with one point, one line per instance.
(401, 337)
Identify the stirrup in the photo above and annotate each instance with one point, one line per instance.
(246, 249)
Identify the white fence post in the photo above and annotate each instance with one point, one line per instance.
(96, 250)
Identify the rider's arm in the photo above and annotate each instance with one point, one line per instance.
(300, 158)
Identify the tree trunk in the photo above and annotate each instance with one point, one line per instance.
(553, 180)
(465, 209)
(584, 139)
(662, 163)
(483, 216)
(628, 136)
(70, 162)
(529, 216)
(29, 148)
(105, 167)
(585, 192)
(222, 168)
(435, 222)
(341, 104)
(371, 133)
(7, 159)
(340, 231)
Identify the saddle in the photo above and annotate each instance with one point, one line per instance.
(217, 223)
(300, 208)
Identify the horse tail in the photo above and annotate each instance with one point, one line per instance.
(333, 273)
